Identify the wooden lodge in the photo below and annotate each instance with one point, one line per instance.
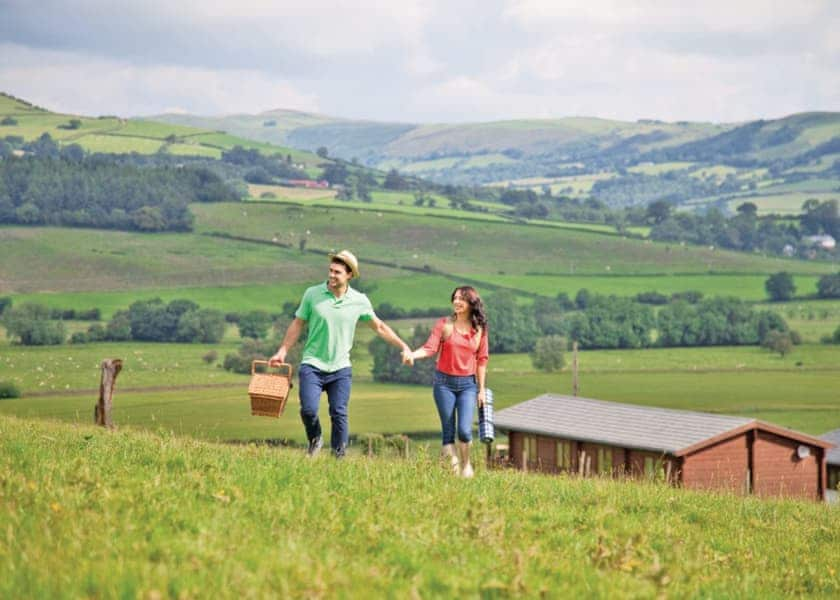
(832, 493)
(553, 433)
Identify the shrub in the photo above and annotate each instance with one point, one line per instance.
(254, 324)
(828, 286)
(778, 341)
(548, 353)
(780, 287)
(80, 337)
(5, 302)
(651, 298)
(210, 357)
(30, 323)
(9, 390)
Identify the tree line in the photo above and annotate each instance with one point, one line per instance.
(65, 186)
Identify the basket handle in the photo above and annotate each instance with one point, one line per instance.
(265, 362)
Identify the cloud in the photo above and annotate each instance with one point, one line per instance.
(427, 60)
(77, 83)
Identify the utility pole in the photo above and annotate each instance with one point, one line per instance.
(575, 388)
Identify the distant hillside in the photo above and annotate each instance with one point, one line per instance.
(112, 134)
(775, 164)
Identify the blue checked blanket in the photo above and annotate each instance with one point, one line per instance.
(486, 430)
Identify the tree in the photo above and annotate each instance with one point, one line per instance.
(394, 181)
(254, 324)
(548, 353)
(780, 287)
(322, 152)
(335, 174)
(747, 209)
(658, 211)
(512, 327)
(32, 325)
(778, 341)
(828, 286)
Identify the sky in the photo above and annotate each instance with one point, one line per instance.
(426, 62)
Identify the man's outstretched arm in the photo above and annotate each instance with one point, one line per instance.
(386, 333)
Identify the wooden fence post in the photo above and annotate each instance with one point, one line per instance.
(111, 367)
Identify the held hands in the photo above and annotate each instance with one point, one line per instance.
(407, 357)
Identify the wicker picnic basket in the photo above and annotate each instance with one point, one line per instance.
(269, 391)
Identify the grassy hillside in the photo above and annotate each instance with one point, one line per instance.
(128, 514)
(568, 152)
(116, 135)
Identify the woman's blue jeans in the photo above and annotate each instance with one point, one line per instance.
(313, 382)
(455, 397)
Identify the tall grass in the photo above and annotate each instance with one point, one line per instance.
(90, 513)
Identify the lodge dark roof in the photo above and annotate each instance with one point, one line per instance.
(832, 456)
(664, 430)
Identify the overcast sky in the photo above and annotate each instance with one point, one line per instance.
(434, 61)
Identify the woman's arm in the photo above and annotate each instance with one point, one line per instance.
(432, 345)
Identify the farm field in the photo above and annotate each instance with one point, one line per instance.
(152, 514)
(453, 245)
(168, 385)
(746, 287)
(813, 319)
(413, 291)
(783, 203)
(63, 259)
(115, 135)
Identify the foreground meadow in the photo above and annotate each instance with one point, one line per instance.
(90, 513)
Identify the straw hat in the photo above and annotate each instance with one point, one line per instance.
(348, 259)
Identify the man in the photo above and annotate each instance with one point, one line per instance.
(331, 310)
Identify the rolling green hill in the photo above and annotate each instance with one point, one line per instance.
(726, 161)
(111, 134)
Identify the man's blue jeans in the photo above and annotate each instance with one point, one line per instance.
(455, 395)
(313, 382)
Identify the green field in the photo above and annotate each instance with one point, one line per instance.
(148, 515)
(169, 385)
(114, 135)
(783, 203)
(408, 292)
(659, 168)
(746, 287)
(480, 248)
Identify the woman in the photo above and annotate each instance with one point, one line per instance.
(461, 340)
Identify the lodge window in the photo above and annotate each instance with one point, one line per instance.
(833, 479)
(564, 455)
(605, 461)
(531, 448)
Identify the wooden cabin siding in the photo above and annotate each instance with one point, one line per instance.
(515, 441)
(546, 453)
(778, 471)
(721, 466)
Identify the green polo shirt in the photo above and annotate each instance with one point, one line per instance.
(332, 325)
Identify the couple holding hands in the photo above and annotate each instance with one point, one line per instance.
(331, 311)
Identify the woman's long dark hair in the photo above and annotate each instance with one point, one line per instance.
(478, 318)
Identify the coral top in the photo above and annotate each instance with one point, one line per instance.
(460, 354)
